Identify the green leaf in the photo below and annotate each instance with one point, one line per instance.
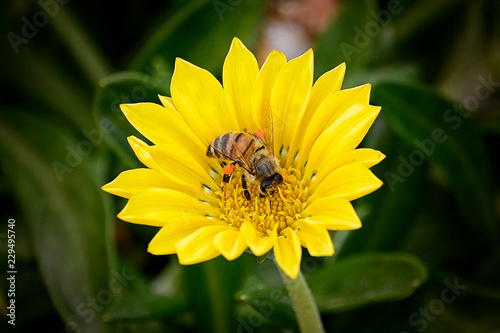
(394, 73)
(420, 14)
(143, 302)
(144, 306)
(124, 87)
(65, 213)
(83, 50)
(441, 132)
(366, 279)
(201, 32)
(271, 301)
(346, 40)
(38, 75)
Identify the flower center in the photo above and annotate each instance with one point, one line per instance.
(281, 209)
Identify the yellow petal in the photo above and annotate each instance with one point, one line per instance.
(350, 182)
(177, 132)
(182, 167)
(183, 179)
(327, 84)
(230, 243)
(200, 100)
(289, 96)
(162, 125)
(343, 135)
(288, 252)
(261, 94)
(332, 107)
(176, 230)
(177, 164)
(132, 181)
(199, 246)
(156, 207)
(316, 239)
(332, 213)
(167, 102)
(194, 169)
(140, 150)
(238, 76)
(259, 243)
(364, 156)
(147, 118)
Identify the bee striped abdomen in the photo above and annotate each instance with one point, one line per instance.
(250, 152)
(231, 146)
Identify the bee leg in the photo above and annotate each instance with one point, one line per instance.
(228, 171)
(245, 187)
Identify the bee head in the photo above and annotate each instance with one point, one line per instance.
(271, 184)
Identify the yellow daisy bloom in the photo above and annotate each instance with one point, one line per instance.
(316, 131)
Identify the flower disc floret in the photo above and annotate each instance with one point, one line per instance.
(279, 210)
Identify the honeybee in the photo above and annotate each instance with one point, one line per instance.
(254, 153)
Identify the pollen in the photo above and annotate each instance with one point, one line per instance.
(279, 210)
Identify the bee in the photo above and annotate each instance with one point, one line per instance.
(254, 153)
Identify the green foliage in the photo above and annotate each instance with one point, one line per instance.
(434, 69)
(67, 217)
(200, 38)
(360, 280)
(444, 135)
(345, 40)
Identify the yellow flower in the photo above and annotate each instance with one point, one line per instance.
(316, 131)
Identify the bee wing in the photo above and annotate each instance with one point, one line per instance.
(238, 158)
(266, 123)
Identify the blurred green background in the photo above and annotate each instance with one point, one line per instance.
(427, 258)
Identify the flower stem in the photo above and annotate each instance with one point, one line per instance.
(303, 302)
